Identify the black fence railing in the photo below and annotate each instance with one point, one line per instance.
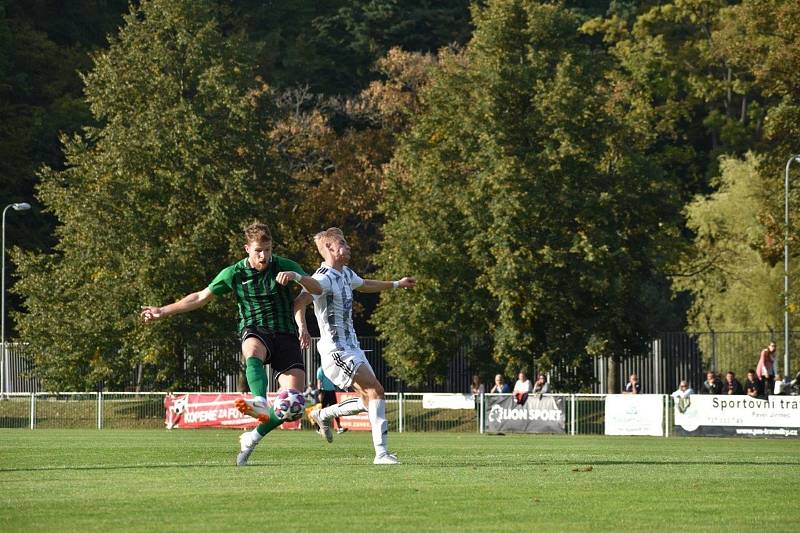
(672, 357)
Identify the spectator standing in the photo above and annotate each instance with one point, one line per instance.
(754, 386)
(684, 390)
(732, 385)
(500, 386)
(712, 384)
(541, 386)
(477, 388)
(765, 369)
(633, 386)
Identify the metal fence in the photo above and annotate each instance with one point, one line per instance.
(584, 413)
(673, 357)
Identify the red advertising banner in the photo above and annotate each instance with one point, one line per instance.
(189, 411)
(359, 422)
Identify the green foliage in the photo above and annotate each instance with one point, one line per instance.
(731, 284)
(525, 203)
(151, 203)
(332, 46)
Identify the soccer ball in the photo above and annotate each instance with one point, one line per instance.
(288, 404)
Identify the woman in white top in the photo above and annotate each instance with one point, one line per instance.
(523, 384)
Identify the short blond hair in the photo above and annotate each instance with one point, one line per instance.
(257, 232)
(326, 236)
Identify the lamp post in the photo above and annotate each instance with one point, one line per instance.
(786, 267)
(4, 368)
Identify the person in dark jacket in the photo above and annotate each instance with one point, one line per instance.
(731, 385)
(712, 384)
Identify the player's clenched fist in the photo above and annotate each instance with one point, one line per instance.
(285, 277)
(150, 313)
(408, 282)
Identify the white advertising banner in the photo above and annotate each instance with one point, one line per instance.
(707, 415)
(635, 414)
(448, 401)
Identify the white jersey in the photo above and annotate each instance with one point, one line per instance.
(334, 309)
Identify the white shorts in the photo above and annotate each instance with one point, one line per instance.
(341, 366)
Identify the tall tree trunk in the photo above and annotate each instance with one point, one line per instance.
(613, 375)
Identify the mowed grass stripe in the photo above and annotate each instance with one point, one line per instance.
(141, 480)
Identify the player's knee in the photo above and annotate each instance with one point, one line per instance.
(375, 391)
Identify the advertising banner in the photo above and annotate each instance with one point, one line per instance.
(635, 414)
(543, 414)
(359, 422)
(448, 401)
(738, 416)
(189, 411)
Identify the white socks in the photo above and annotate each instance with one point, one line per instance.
(255, 436)
(380, 427)
(377, 418)
(353, 406)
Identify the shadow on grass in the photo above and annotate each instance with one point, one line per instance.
(408, 462)
(120, 467)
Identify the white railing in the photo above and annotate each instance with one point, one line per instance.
(584, 413)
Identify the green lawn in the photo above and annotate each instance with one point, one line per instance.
(183, 480)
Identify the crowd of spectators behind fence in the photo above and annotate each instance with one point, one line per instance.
(761, 382)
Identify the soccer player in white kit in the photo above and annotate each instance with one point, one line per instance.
(343, 361)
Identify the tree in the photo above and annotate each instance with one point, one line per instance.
(760, 37)
(336, 150)
(734, 289)
(42, 46)
(152, 200)
(524, 200)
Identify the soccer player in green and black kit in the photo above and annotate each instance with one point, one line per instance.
(260, 284)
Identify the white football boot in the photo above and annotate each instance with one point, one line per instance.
(324, 427)
(254, 407)
(246, 447)
(386, 459)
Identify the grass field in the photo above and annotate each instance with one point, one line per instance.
(157, 480)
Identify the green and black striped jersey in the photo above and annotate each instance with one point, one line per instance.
(262, 301)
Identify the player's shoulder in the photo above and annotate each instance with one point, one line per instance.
(235, 268)
(325, 270)
(349, 272)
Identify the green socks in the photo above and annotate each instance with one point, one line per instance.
(257, 380)
(256, 376)
(266, 427)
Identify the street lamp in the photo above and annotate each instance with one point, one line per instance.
(24, 206)
(786, 267)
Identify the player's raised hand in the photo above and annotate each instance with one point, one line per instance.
(285, 277)
(305, 338)
(408, 282)
(150, 313)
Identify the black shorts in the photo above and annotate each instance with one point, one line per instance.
(283, 349)
(327, 397)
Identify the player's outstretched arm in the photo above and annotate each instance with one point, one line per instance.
(300, 303)
(374, 285)
(190, 302)
(307, 282)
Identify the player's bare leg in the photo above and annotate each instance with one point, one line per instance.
(371, 400)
